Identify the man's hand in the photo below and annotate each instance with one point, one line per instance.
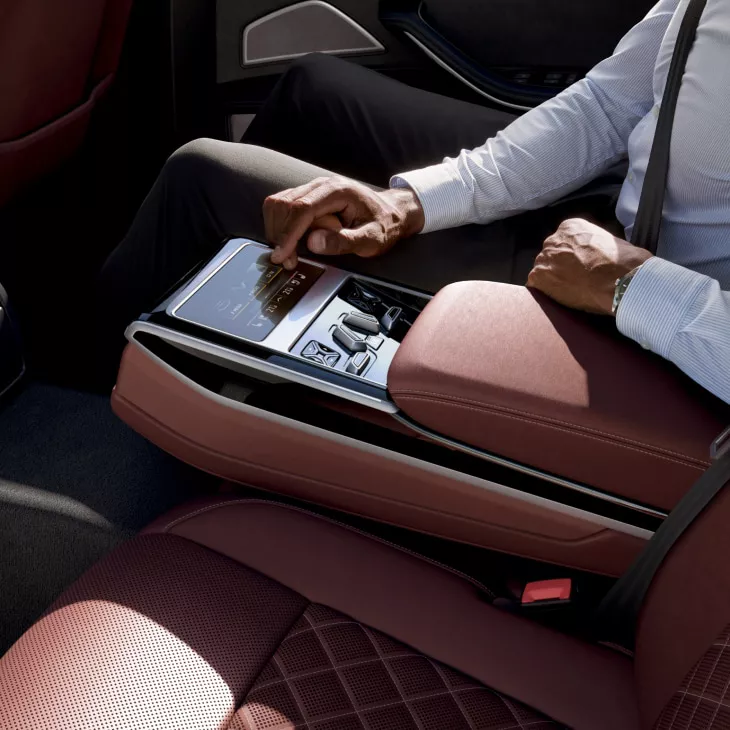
(579, 264)
(341, 216)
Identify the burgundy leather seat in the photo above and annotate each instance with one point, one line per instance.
(56, 61)
(251, 615)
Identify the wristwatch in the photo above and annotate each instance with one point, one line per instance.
(622, 284)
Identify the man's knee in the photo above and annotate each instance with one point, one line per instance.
(316, 75)
(194, 160)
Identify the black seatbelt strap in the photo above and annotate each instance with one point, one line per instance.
(648, 220)
(617, 615)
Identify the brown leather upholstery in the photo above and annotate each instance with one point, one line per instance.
(701, 701)
(56, 59)
(243, 443)
(252, 615)
(508, 370)
(686, 614)
(336, 671)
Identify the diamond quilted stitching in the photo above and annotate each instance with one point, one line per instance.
(441, 711)
(271, 708)
(416, 676)
(302, 653)
(485, 709)
(332, 673)
(393, 717)
(370, 684)
(702, 702)
(321, 695)
(347, 642)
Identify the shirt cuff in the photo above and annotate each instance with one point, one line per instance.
(441, 193)
(654, 306)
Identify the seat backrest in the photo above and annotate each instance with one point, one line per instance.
(683, 637)
(53, 57)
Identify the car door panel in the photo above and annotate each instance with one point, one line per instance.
(510, 54)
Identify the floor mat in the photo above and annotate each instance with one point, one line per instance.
(74, 482)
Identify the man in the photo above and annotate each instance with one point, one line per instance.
(368, 127)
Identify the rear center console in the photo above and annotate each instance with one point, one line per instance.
(315, 325)
(486, 414)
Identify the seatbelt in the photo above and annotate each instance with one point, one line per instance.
(648, 220)
(617, 615)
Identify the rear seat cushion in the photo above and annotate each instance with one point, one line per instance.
(247, 614)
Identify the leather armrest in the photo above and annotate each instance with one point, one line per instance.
(507, 370)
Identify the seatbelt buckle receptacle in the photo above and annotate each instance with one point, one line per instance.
(547, 592)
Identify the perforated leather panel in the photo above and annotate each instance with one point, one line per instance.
(333, 673)
(703, 702)
(161, 635)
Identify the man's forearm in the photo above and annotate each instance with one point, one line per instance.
(684, 317)
(552, 149)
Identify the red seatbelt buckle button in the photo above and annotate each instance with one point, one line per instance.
(547, 591)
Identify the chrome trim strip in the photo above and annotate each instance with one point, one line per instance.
(380, 452)
(230, 358)
(527, 470)
(445, 66)
(375, 46)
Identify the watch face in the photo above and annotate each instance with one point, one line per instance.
(622, 285)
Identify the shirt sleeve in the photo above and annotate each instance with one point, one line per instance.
(682, 316)
(554, 148)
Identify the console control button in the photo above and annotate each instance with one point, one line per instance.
(321, 354)
(374, 342)
(390, 318)
(358, 363)
(363, 322)
(312, 349)
(349, 340)
(362, 299)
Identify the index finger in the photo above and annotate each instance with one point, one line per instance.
(275, 211)
(297, 216)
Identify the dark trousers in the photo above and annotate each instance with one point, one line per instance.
(324, 115)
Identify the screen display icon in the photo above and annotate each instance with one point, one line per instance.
(249, 295)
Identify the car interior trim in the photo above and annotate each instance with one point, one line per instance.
(523, 469)
(370, 43)
(383, 453)
(445, 66)
(231, 358)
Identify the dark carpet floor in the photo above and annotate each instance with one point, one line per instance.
(74, 482)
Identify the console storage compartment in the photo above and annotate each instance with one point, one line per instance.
(508, 371)
(362, 396)
(241, 430)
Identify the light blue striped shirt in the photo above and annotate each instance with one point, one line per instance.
(678, 304)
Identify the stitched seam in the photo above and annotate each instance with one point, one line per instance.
(703, 698)
(332, 623)
(380, 540)
(292, 690)
(656, 452)
(272, 657)
(709, 678)
(392, 676)
(511, 708)
(385, 705)
(681, 701)
(453, 693)
(454, 400)
(306, 675)
(333, 659)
